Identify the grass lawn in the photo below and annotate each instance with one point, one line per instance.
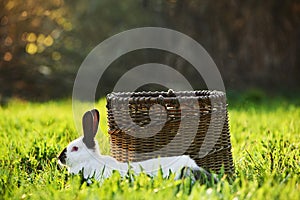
(265, 135)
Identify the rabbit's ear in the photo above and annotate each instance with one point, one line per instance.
(90, 123)
(96, 119)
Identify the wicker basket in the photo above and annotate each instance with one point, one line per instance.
(195, 123)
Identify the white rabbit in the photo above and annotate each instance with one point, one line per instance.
(83, 155)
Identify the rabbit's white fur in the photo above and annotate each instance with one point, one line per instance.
(83, 154)
(92, 163)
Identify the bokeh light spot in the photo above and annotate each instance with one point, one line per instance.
(24, 14)
(55, 33)
(48, 41)
(45, 70)
(68, 26)
(31, 48)
(56, 56)
(31, 37)
(8, 41)
(47, 13)
(7, 56)
(4, 20)
(41, 48)
(40, 38)
(10, 5)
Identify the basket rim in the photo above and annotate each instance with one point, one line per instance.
(169, 95)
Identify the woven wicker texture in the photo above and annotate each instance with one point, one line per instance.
(126, 111)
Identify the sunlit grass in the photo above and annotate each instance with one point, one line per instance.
(265, 140)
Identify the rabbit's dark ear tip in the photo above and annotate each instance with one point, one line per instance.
(96, 113)
(87, 114)
(96, 110)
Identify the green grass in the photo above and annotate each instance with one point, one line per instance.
(265, 139)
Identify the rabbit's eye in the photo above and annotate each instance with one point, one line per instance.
(74, 149)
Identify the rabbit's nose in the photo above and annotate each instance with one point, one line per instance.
(62, 156)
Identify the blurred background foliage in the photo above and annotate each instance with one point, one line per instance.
(255, 44)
